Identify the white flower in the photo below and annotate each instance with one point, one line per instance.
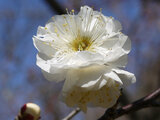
(86, 50)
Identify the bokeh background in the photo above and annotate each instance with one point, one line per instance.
(21, 80)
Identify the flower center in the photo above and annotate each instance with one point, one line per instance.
(81, 43)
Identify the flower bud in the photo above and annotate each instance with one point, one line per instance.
(29, 111)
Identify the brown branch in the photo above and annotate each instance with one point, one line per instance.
(148, 101)
(55, 6)
(72, 114)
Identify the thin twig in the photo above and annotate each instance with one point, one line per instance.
(148, 101)
(56, 7)
(72, 114)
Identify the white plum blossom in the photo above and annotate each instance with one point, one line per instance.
(88, 51)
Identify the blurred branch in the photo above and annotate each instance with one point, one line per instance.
(72, 114)
(123, 99)
(55, 6)
(148, 101)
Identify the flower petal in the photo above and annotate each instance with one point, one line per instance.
(112, 25)
(64, 26)
(85, 77)
(50, 73)
(78, 59)
(42, 62)
(116, 58)
(126, 77)
(84, 58)
(113, 76)
(57, 77)
(103, 97)
(125, 42)
(41, 31)
(118, 40)
(44, 47)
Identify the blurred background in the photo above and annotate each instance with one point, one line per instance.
(21, 80)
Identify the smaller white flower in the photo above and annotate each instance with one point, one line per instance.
(86, 50)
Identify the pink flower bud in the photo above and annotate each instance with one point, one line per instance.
(29, 111)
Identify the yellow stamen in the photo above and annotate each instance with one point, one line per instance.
(81, 43)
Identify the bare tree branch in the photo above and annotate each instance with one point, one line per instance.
(55, 6)
(113, 113)
(148, 101)
(72, 114)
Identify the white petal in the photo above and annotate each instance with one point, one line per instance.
(104, 97)
(64, 26)
(42, 62)
(41, 31)
(55, 24)
(117, 26)
(57, 77)
(77, 60)
(50, 72)
(85, 77)
(84, 58)
(119, 62)
(126, 77)
(117, 40)
(112, 25)
(85, 14)
(90, 22)
(125, 42)
(43, 47)
(110, 42)
(113, 76)
(116, 57)
(117, 48)
(75, 98)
